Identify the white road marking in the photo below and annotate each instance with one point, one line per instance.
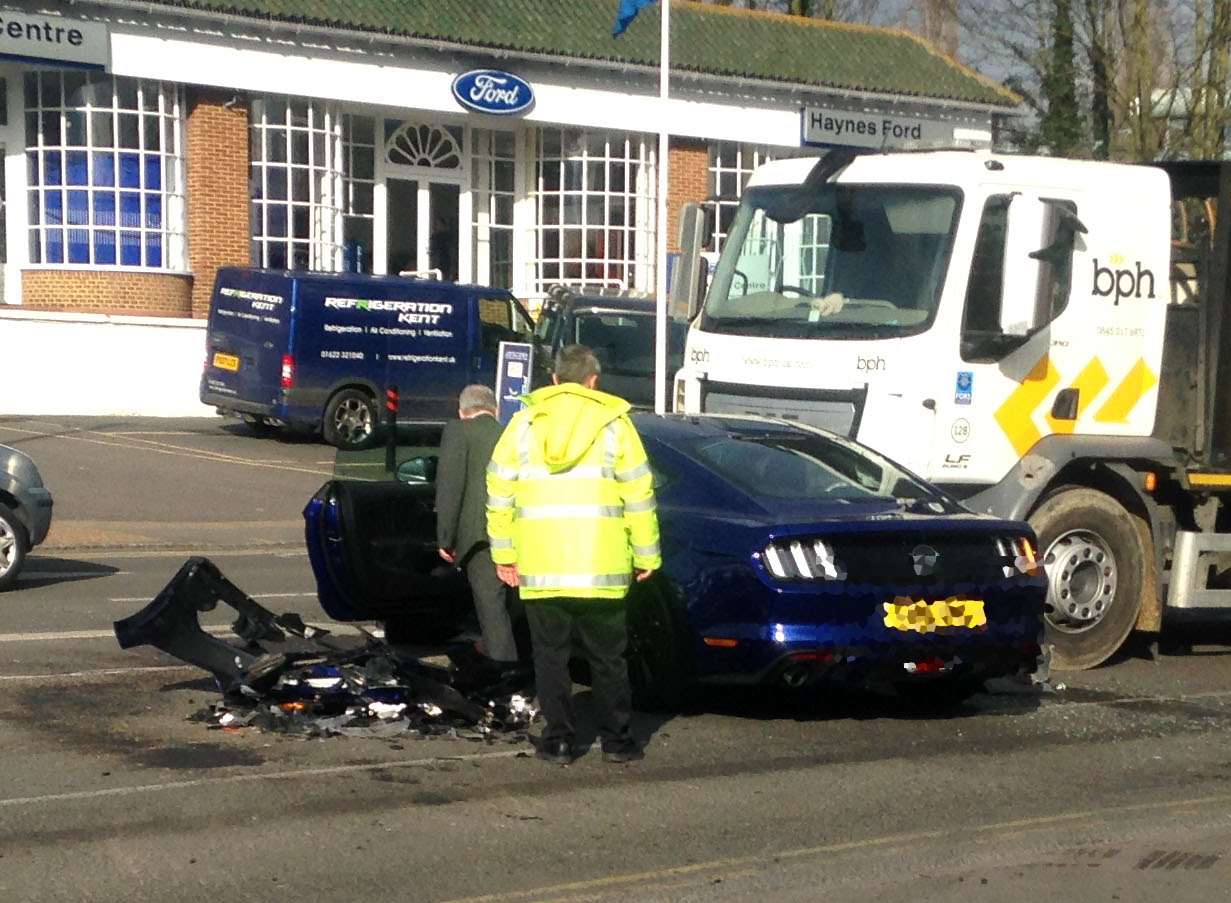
(163, 448)
(96, 672)
(247, 778)
(180, 552)
(311, 595)
(153, 433)
(67, 575)
(215, 630)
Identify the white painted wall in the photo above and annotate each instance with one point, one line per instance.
(577, 96)
(61, 364)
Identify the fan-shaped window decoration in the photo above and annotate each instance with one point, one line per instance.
(416, 144)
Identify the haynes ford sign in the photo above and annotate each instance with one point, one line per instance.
(493, 91)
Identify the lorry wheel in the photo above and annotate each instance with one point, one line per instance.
(13, 547)
(350, 419)
(1092, 551)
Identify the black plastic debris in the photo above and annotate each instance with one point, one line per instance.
(285, 675)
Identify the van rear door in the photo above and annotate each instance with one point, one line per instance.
(249, 332)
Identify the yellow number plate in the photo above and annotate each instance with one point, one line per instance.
(924, 617)
(226, 362)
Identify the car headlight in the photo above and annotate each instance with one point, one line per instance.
(802, 559)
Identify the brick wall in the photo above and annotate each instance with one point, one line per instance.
(217, 170)
(108, 292)
(688, 181)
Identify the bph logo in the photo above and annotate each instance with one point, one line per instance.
(1122, 282)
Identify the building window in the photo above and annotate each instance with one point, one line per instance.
(297, 184)
(358, 187)
(595, 200)
(105, 171)
(731, 166)
(430, 146)
(493, 159)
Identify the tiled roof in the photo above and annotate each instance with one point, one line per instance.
(704, 39)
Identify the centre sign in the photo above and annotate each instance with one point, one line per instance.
(493, 91)
(54, 39)
(879, 131)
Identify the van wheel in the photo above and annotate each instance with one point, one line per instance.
(1094, 556)
(350, 419)
(13, 547)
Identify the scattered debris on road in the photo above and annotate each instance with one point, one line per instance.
(287, 676)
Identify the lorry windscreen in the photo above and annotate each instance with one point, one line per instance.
(844, 261)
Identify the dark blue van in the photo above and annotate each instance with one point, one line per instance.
(316, 351)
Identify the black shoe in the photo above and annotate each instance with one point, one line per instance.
(557, 752)
(622, 752)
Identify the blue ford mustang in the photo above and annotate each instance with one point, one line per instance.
(791, 555)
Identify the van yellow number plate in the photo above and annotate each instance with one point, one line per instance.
(920, 616)
(226, 362)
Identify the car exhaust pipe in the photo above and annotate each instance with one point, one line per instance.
(796, 676)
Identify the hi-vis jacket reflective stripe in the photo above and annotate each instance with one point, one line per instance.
(570, 496)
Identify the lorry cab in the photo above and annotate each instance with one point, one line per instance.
(315, 351)
(947, 308)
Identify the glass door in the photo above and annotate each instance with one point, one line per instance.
(423, 228)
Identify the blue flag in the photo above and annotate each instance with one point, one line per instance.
(626, 13)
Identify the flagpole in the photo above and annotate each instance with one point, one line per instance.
(660, 269)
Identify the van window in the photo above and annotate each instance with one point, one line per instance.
(502, 320)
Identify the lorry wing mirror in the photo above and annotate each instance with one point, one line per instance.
(688, 283)
(1024, 235)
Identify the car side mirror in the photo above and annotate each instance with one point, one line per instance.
(417, 470)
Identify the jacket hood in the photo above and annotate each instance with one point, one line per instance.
(568, 418)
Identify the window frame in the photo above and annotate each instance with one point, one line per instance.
(106, 137)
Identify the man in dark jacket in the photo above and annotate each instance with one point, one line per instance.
(461, 514)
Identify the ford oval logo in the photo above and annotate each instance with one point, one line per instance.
(493, 91)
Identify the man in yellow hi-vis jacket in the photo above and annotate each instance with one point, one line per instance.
(570, 516)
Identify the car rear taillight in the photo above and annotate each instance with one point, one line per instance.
(810, 559)
(288, 371)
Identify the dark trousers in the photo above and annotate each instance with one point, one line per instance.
(600, 626)
(491, 605)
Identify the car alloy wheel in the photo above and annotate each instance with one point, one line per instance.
(8, 547)
(13, 547)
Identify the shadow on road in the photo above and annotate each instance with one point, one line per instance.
(1001, 698)
(41, 570)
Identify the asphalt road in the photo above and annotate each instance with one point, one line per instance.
(1115, 787)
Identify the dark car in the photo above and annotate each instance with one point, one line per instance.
(621, 331)
(25, 511)
(790, 555)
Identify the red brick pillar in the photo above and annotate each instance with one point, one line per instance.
(217, 169)
(689, 182)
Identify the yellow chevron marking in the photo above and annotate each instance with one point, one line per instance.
(1089, 383)
(1140, 380)
(1016, 415)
